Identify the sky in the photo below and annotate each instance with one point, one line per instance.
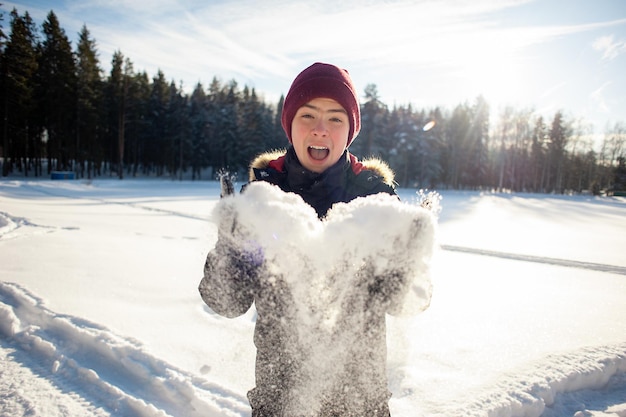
(539, 55)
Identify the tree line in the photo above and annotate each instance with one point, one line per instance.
(60, 111)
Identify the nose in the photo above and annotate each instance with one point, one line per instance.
(319, 129)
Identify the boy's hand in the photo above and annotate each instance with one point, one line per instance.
(226, 183)
(252, 253)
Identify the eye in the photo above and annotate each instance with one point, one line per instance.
(305, 113)
(338, 118)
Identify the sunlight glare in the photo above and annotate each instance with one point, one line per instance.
(428, 126)
(497, 78)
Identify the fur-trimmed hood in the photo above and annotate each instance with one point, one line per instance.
(378, 167)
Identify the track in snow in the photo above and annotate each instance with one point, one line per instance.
(107, 374)
(614, 269)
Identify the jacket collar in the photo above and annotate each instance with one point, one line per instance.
(299, 178)
(275, 161)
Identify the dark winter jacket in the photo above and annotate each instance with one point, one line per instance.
(343, 182)
(230, 286)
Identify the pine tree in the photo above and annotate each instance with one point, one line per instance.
(478, 138)
(558, 141)
(199, 132)
(57, 94)
(456, 139)
(117, 99)
(428, 168)
(177, 131)
(223, 107)
(158, 125)
(89, 92)
(3, 96)
(619, 177)
(373, 140)
(3, 36)
(279, 138)
(20, 135)
(137, 123)
(255, 128)
(538, 156)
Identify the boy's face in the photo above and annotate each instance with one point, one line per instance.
(319, 133)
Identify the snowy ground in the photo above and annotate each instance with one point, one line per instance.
(100, 314)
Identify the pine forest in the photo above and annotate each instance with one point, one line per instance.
(61, 112)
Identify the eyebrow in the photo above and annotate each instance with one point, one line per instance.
(334, 110)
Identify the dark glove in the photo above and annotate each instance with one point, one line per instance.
(252, 253)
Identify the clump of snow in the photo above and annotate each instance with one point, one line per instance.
(378, 229)
(9, 323)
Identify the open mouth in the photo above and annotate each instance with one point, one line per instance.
(318, 153)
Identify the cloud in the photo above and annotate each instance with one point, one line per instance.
(609, 47)
(598, 97)
(253, 39)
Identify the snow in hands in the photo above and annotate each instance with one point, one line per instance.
(330, 268)
(227, 180)
(376, 230)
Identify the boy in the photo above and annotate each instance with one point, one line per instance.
(321, 117)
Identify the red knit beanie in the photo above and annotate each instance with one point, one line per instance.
(322, 81)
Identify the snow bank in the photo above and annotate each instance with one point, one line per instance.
(533, 391)
(114, 372)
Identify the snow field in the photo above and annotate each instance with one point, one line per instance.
(100, 316)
